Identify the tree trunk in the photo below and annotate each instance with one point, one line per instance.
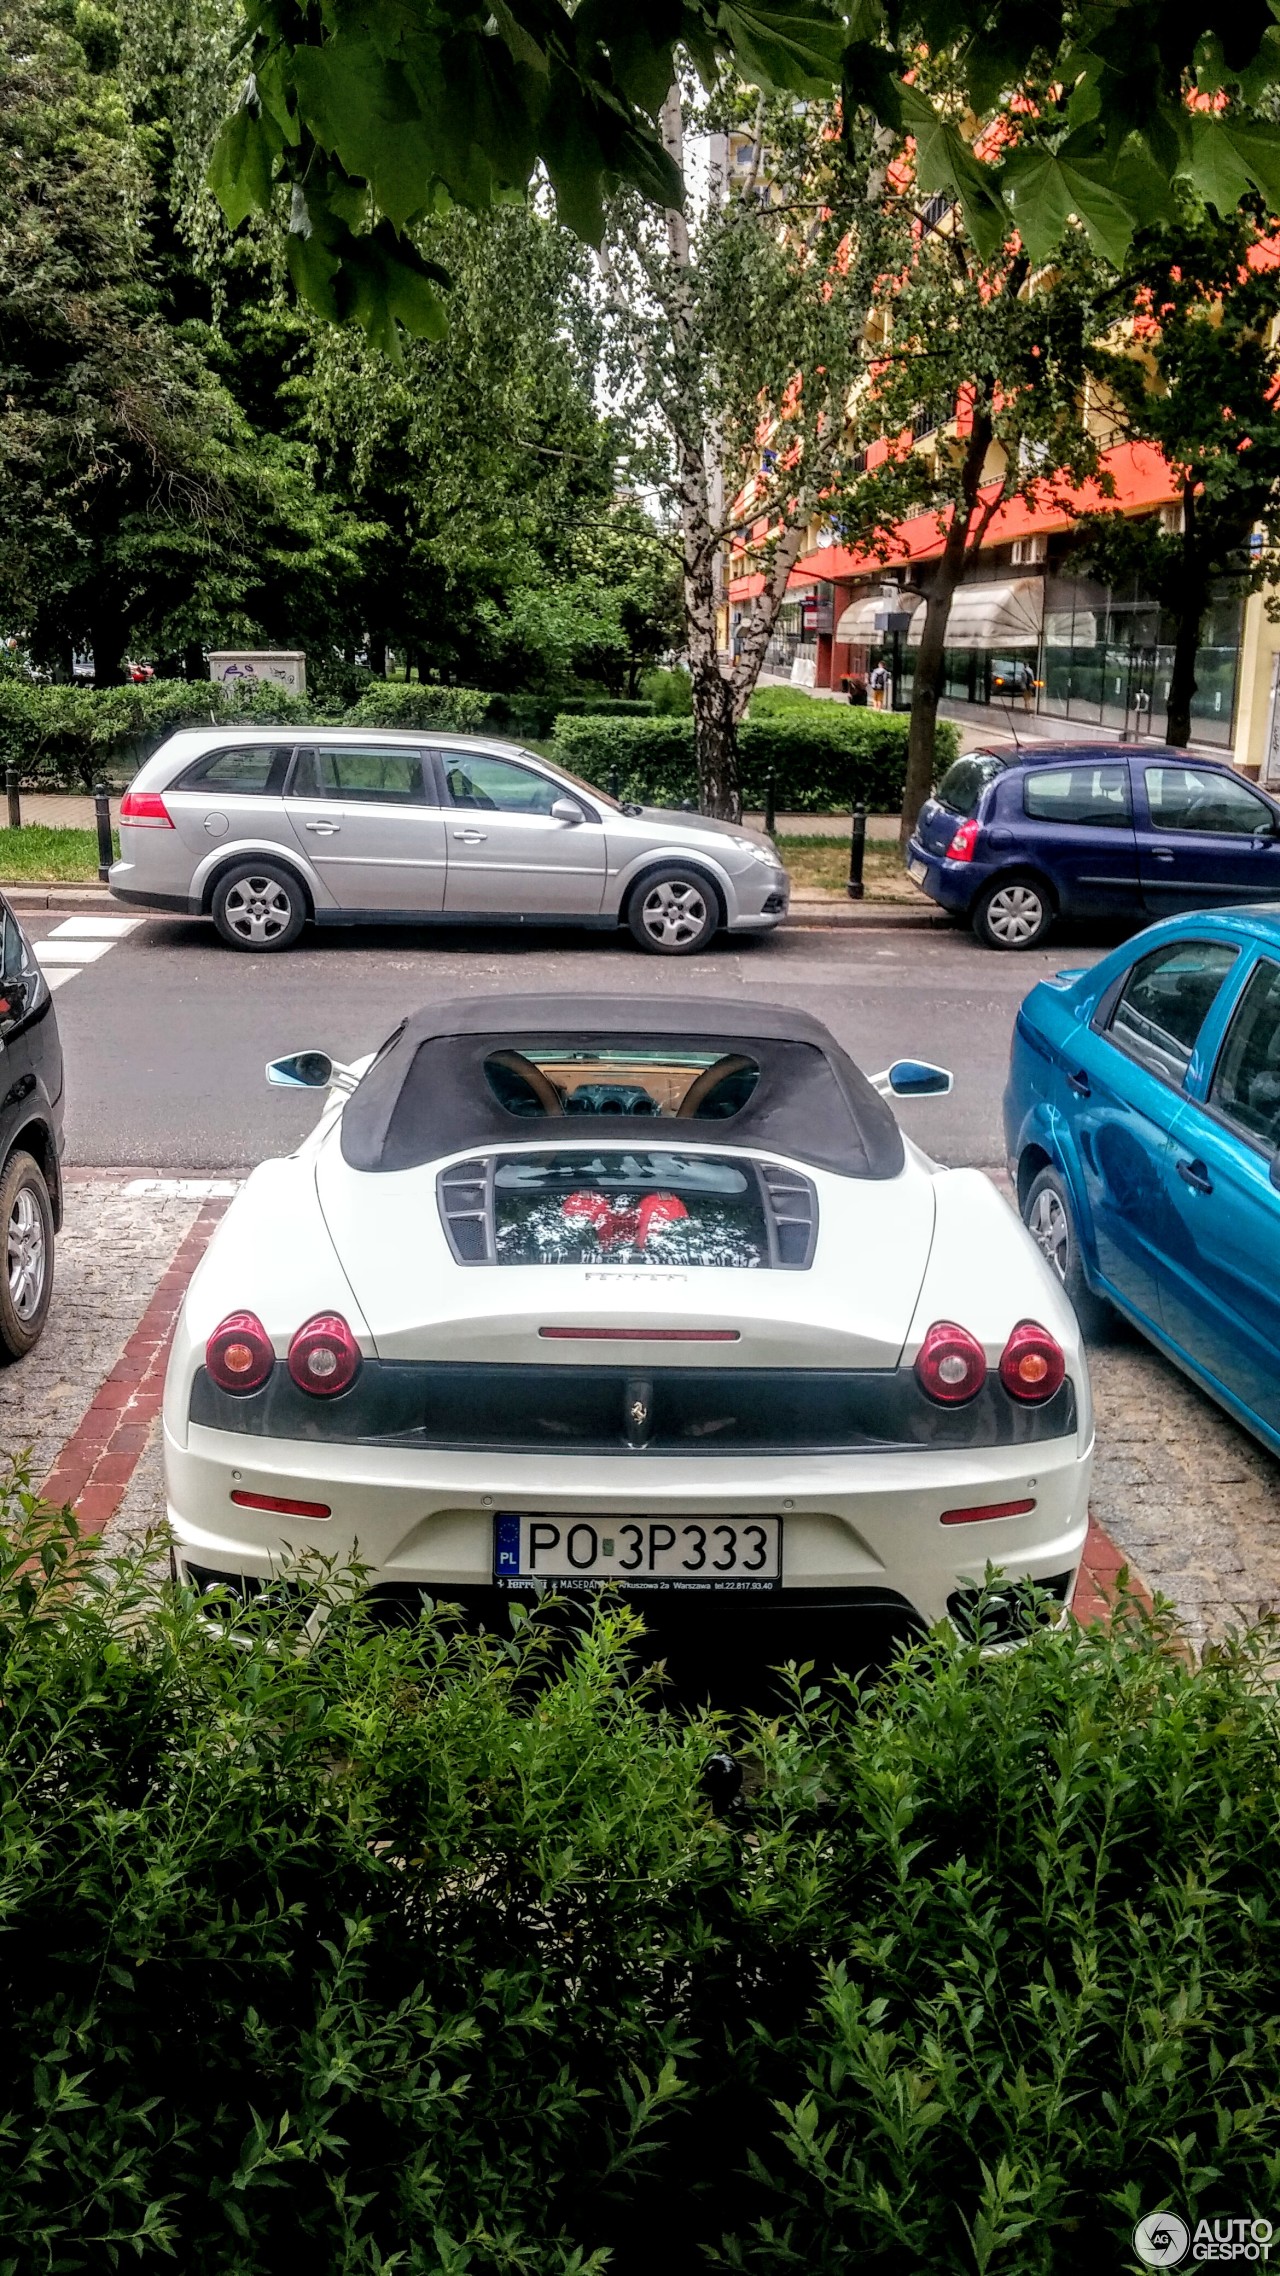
(1192, 598)
(107, 639)
(376, 651)
(927, 684)
(194, 666)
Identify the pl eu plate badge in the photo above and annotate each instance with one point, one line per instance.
(506, 1560)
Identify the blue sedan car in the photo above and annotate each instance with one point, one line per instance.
(1013, 838)
(1142, 1125)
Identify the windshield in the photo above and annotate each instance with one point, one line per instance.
(961, 787)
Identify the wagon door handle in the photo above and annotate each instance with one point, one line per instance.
(1079, 1083)
(1196, 1175)
(324, 829)
(471, 837)
(1161, 853)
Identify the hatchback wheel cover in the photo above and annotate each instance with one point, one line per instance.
(257, 908)
(1015, 913)
(1049, 1229)
(26, 1254)
(674, 914)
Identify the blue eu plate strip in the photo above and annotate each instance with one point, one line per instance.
(506, 1557)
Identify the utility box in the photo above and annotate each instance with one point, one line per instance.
(275, 667)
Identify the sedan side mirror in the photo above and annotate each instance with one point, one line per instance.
(304, 1071)
(913, 1078)
(567, 810)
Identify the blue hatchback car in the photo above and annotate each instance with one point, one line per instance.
(1013, 838)
(1142, 1125)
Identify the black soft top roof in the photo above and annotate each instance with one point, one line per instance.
(427, 1095)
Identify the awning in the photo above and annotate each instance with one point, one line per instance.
(992, 616)
(858, 624)
(1070, 628)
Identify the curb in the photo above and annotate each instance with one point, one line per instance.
(56, 896)
(827, 916)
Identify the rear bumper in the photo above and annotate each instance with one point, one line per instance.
(866, 1522)
(954, 885)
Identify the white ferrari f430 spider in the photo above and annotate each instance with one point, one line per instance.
(557, 1297)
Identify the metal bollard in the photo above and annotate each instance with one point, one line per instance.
(11, 780)
(615, 785)
(102, 815)
(857, 848)
(770, 815)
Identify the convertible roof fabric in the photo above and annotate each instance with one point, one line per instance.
(426, 1094)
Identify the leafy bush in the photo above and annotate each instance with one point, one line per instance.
(670, 693)
(826, 758)
(767, 702)
(606, 706)
(424, 1950)
(407, 703)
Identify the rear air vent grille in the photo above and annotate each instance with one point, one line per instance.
(466, 1205)
(793, 1216)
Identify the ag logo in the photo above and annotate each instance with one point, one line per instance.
(1161, 2240)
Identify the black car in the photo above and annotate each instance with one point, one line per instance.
(30, 1140)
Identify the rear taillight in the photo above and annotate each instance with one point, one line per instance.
(951, 1365)
(1032, 1364)
(145, 810)
(324, 1356)
(963, 843)
(239, 1354)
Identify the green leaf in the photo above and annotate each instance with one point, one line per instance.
(242, 169)
(944, 161)
(1047, 191)
(360, 108)
(1217, 168)
(796, 46)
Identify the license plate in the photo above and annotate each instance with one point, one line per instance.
(639, 1552)
(919, 870)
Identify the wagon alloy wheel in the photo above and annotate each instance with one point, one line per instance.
(1047, 1223)
(258, 909)
(674, 914)
(259, 906)
(27, 1281)
(1016, 914)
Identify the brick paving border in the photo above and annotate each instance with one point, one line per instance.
(95, 1465)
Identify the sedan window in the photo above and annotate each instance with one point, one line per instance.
(1164, 1004)
(1099, 795)
(361, 773)
(478, 779)
(1197, 798)
(1246, 1081)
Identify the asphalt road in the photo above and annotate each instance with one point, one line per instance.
(167, 1033)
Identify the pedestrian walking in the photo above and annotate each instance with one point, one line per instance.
(878, 683)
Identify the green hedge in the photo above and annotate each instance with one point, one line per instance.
(828, 760)
(426, 1952)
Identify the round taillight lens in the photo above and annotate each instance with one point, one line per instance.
(324, 1356)
(239, 1354)
(951, 1365)
(1032, 1365)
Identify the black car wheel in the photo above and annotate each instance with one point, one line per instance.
(1047, 1215)
(26, 1270)
(1015, 912)
(259, 905)
(673, 912)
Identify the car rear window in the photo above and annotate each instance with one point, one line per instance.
(254, 770)
(961, 787)
(565, 1078)
(1165, 1002)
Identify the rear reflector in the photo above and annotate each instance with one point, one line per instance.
(280, 1507)
(986, 1509)
(641, 1335)
(145, 810)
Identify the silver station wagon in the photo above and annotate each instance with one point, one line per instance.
(263, 831)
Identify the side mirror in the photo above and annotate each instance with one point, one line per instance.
(304, 1071)
(567, 810)
(915, 1078)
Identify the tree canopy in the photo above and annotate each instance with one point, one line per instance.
(361, 123)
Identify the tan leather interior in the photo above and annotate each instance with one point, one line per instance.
(710, 1079)
(544, 1090)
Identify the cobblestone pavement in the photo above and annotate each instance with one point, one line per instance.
(1190, 1500)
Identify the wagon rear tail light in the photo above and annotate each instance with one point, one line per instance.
(963, 843)
(145, 810)
(1032, 1364)
(324, 1357)
(951, 1365)
(239, 1354)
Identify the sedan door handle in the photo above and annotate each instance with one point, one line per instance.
(1161, 853)
(324, 829)
(1196, 1175)
(1079, 1083)
(471, 837)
